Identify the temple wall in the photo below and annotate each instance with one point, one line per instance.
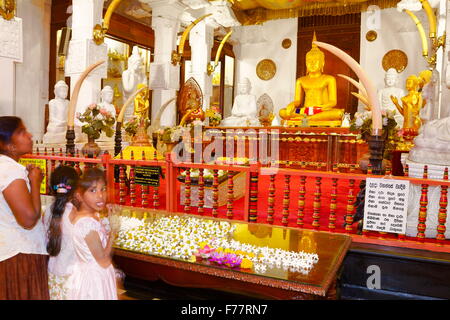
(32, 75)
(395, 30)
(265, 43)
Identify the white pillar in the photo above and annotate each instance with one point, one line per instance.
(444, 23)
(83, 52)
(165, 77)
(10, 52)
(201, 41)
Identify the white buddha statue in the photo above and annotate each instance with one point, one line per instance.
(244, 112)
(106, 99)
(58, 108)
(390, 89)
(134, 75)
(432, 145)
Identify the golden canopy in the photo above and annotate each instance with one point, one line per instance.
(257, 11)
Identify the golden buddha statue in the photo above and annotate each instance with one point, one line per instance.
(141, 103)
(317, 92)
(411, 104)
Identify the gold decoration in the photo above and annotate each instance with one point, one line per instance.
(371, 35)
(250, 12)
(286, 43)
(7, 9)
(266, 69)
(99, 31)
(211, 67)
(395, 59)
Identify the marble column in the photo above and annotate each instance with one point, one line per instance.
(165, 77)
(11, 52)
(201, 41)
(83, 52)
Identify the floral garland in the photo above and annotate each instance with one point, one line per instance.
(190, 238)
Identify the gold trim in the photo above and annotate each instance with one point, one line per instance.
(266, 69)
(371, 35)
(260, 15)
(395, 59)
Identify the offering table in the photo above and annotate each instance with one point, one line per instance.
(273, 283)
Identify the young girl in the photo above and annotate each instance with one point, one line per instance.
(63, 183)
(93, 276)
(23, 258)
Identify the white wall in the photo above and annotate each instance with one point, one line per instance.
(282, 86)
(32, 75)
(396, 30)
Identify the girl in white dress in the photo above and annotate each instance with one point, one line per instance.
(93, 275)
(63, 183)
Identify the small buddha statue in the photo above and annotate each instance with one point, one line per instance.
(315, 95)
(390, 89)
(412, 103)
(141, 103)
(58, 108)
(131, 77)
(244, 111)
(106, 99)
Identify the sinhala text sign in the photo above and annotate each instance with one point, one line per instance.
(386, 205)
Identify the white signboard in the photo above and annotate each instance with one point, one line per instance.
(386, 205)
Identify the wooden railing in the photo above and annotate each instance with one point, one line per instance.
(320, 200)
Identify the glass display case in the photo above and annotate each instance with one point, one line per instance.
(274, 273)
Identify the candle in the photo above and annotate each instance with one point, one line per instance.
(368, 85)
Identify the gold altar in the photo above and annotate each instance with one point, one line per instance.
(311, 148)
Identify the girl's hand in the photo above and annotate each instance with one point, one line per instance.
(35, 174)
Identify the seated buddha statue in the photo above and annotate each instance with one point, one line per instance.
(315, 95)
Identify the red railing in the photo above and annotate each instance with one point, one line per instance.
(320, 200)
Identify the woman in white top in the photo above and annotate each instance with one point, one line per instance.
(23, 260)
(63, 183)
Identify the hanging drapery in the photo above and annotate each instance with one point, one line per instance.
(250, 12)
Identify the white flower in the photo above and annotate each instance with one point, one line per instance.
(359, 122)
(385, 121)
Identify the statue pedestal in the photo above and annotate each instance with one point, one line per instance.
(434, 194)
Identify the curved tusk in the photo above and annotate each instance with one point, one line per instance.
(362, 99)
(127, 103)
(431, 17)
(187, 31)
(155, 122)
(423, 37)
(361, 88)
(109, 13)
(367, 83)
(76, 91)
(219, 50)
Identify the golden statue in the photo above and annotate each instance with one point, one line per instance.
(141, 103)
(7, 9)
(411, 104)
(317, 92)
